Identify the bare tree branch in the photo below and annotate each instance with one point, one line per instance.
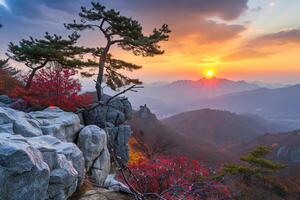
(131, 88)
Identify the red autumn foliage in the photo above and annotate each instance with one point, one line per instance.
(175, 178)
(54, 86)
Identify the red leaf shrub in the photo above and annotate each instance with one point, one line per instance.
(174, 178)
(54, 86)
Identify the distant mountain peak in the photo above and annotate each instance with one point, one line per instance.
(212, 80)
(176, 96)
(145, 113)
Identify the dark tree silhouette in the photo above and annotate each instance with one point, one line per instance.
(124, 32)
(38, 53)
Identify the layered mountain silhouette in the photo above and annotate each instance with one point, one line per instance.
(202, 134)
(218, 127)
(279, 105)
(166, 99)
(159, 135)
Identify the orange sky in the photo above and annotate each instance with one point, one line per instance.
(239, 39)
(275, 63)
(264, 48)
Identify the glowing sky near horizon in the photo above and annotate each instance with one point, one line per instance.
(240, 39)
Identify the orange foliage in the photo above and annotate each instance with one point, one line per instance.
(134, 155)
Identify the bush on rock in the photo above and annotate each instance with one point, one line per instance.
(54, 86)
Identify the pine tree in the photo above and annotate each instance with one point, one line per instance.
(256, 165)
(124, 32)
(38, 53)
(257, 171)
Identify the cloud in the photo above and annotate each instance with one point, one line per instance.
(189, 18)
(206, 32)
(211, 31)
(225, 9)
(245, 54)
(254, 49)
(256, 9)
(185, 17)
(279, 38)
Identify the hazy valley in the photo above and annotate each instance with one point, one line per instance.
(277, 105)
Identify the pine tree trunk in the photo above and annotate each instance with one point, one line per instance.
(102, 61)
(99, 80)
(34, 70)
(29, 80)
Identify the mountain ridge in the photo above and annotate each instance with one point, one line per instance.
(218, 127)
(277, 105)
(167, 99)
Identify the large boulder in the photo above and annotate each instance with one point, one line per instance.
(121, 142)
(19, 123)
(73, 153)
(63, 180)
(96, 116)
(116, 112)
(23, 173)
(112, 134)
(118, 138)
(65, 165)
(121, 104)
(113, 184)
(69, 150)
(111, 117)
(115, 117)
(38, 155)
(91, 141)
(101, 168)
(49, 152)
(63, 177)
(119, 111)
(54, 121)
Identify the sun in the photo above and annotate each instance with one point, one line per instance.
(209, 74)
